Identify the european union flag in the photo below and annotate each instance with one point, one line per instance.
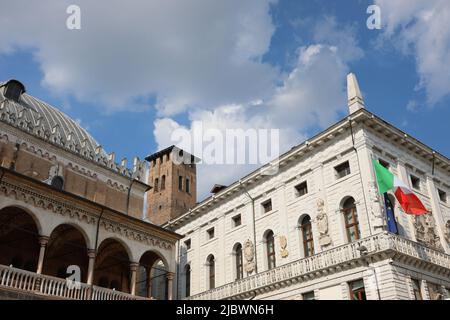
(390, 217)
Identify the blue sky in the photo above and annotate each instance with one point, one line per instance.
(128, 81)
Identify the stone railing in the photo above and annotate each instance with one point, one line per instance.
(382, 242)
(33, 283)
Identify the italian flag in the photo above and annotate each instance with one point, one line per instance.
(409, 202)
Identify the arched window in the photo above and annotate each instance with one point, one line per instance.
(351, 220)
(57, 182)
(187, 280)
(211, 271)
(163, 182)
(238, 261)
(270, 250)
(307, 236)
(155, 186)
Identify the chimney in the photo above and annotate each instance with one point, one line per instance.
(355, 99)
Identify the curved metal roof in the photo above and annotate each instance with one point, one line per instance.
(33, 111)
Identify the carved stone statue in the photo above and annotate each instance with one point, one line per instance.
(376, 209)
(283, 245)
(322, 223)
(447, 232)
(249, 254)
(424, 226)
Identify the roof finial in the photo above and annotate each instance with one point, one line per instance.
(355, 99)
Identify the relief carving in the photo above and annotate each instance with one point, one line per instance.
(376, 209)
(322, 224)
(425, 228)
(283, 245)
(249, 254)
(447, 232)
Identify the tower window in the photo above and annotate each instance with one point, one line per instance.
(342, 170)
(301, 189)
(156, 185)
(180, 183)
(163, 182)
(188, 186)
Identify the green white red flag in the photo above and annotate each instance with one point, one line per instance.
(386, 181)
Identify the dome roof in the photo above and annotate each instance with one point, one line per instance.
(44, 121)
(29, 112)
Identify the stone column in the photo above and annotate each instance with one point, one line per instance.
(91, 254)
(169, 277)
(43, 241)
(133, 269)
(149, 282)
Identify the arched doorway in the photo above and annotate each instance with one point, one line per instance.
(152, 276)
(112, 266)
(66, 247)
(19, 239)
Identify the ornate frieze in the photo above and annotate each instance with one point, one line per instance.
(55, 206)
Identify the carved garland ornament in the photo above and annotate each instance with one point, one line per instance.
(64, 209)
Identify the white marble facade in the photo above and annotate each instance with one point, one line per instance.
(391, 265)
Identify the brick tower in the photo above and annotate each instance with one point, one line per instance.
(173, 176)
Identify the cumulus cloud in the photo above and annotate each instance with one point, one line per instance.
(200, 57)
(311, 96)
(420, 28)
(184, 54)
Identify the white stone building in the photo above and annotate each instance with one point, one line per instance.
(317, 228)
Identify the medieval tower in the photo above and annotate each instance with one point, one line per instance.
(173, 176)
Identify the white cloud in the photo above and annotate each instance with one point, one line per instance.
(185, 54)
(421, 28)
(310, 96)
(199, 56)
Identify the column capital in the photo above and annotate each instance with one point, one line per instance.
(170, 275)
(91, 253)
(134, 266)
(43, 240)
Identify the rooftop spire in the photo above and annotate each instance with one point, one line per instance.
(355, 99)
